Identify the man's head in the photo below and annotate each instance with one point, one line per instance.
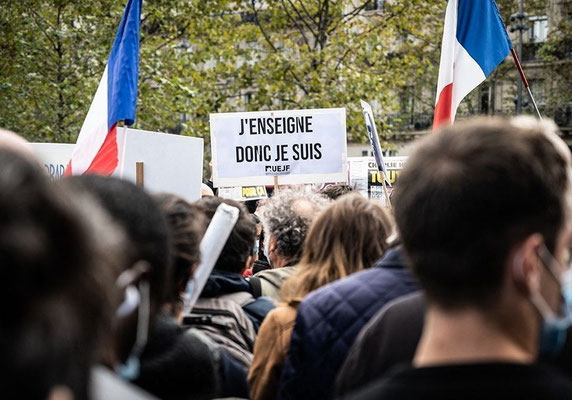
(286, 217)
(236, 253)
(475, 205)
(56, 296)
(332, 192)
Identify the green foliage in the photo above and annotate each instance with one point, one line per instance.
(201, 57)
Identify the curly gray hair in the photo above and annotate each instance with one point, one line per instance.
(287, 216)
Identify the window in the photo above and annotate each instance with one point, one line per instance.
(539, 29)
(374, 5)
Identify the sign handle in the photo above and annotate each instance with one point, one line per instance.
(276, 183)
(387, 200)
(139, 175)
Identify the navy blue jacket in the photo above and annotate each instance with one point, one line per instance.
(220, 283)
(330, 319)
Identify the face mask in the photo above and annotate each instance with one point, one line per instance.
(256, 247)
(131, 369)
(554, 327)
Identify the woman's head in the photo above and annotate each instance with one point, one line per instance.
(348, 236)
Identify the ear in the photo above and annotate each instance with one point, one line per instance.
(271, 244)
(525, 265)
(132, 276)
(247, 263)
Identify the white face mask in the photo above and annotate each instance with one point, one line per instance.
(266, 251)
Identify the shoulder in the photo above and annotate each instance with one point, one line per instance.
(276, 273)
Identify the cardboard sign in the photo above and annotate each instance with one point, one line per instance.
(364, 174)
(243, 193)
(300, 146)
(171, 163)
(54, 157)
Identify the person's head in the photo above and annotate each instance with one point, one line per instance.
(13, 142)
(56, 300)
(286, 217)
(144, 223)
(237, 251)
(145, 280)
(333, 192)
(348, 236)
(476, 205)
(187, 225)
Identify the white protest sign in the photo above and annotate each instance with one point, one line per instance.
(243, 193)
(299, 146)
(54, 157)
(373, 138)
(365, 176)
(171, 163)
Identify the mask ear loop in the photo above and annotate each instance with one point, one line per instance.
(130, 371)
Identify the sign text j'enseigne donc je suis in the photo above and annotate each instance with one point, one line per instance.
(277, 126)
(253, 147)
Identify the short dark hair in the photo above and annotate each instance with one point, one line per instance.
(144, 223)
(55, 301)
(332, 192)
(241, 240)
(187, 224)
(467, 196)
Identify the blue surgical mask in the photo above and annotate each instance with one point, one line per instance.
(555, 327)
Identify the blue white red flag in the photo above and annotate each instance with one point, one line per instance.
(96, 150)
(475, 42)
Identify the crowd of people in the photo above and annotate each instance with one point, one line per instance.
(463, 290)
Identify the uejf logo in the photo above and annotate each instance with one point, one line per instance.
(277, 169)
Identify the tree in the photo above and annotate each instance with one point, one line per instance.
(202, 57)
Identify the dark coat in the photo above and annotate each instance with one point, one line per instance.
(389, 339)
(330, 319)
(177, 364)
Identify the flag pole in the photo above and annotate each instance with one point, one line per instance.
(525, 81)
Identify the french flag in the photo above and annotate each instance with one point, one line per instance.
(96, 150)
(475, 42)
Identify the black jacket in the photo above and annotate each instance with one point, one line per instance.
(176, 364)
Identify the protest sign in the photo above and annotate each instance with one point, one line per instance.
(365, 176)
(299, 146)
(376, 147)
(243, 193)
(54, 157)
(172, 163)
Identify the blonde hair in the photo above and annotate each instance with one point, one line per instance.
(348, 236)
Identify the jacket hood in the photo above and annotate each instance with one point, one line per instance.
(220, 283)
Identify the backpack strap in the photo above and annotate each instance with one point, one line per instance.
(255, 286)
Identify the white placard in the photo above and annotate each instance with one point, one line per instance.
(298, 146)
(365, 176)
(54, 157)
(171, 163)
(243, 193)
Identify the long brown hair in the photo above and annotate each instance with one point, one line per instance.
(346, 237)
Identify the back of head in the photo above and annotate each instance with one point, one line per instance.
(468, 194)
(187, 224)
(142, 220)
(239, 245)
(54, 303)
(348, 236)
(287, 216)
(333, 192)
